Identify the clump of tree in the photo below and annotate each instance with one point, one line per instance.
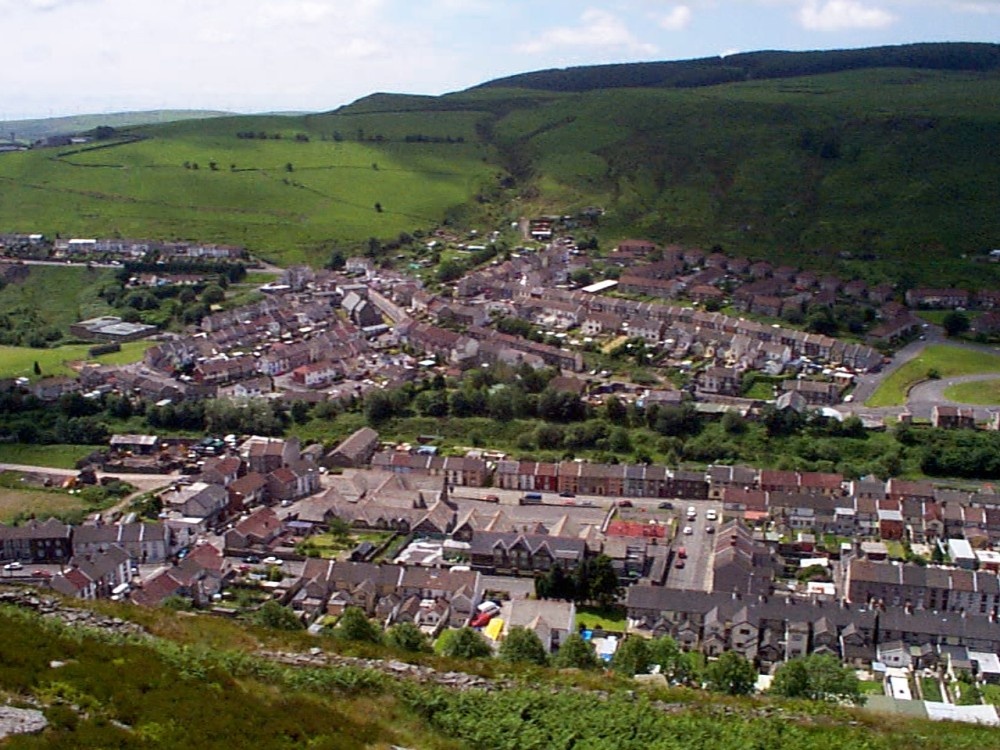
(575, 653)
(817, 677)
(353, 625)
(731, 674)
(523, 646)
(406, 636)
(464, 643)
(273, 615)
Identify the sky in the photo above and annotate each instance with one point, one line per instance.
(65, 57)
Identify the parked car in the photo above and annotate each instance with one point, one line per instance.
(13, 566)
(567, 494)
(272, 560)
(679, 563)
(481, 620)
(492, 498)
(624, 503)
(41, 573)
(666, 505)
(692, 513)
(709, 529)
(688, 531)
(710, 514)
(682, 552)
(251, 560)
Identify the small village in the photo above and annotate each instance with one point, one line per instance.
(896, 578)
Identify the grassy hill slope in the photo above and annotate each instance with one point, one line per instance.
(200, 682)
(32, 130)
(882, 172)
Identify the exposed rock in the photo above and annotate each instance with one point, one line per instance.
(21, 721)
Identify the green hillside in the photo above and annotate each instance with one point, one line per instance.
(818, 159)
(26, 131)
(207, 682)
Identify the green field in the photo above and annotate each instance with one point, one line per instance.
(52, 456)
(55, 295)
(984, 393)
(948, 361)
(144, 190)
(19, 361)
(43, 504)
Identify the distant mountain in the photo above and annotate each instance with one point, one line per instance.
(755, 66)
(881, 163)
(27, 131)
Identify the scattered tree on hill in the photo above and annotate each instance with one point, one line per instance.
(731, 674)
(378, 207)
(37, 368)
(575, 653)
(354, 626)
(523, 646)
(818, 677)
(406, 637)
(289, 167)
(464, 643)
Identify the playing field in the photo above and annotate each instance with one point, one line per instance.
(19, 361)
(946, 361)
(984, 392)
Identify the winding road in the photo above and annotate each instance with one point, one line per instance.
(924, 395)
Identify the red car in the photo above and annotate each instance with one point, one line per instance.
(41, 573)
(481, 620)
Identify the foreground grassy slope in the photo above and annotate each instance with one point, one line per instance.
(854, 171)
(198, 683)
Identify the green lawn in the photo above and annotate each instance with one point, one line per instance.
(19, 361)
(43, 503)
(871, 687)
(948, 361)
(612, 619)
(984, 392)
(52, 456)
(329, 546)
(931, 689)
(992, 694)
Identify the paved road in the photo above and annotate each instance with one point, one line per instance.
(924, 396)
(920, 400)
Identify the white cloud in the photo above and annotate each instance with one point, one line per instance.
(598, 29)
(294, 12)
(839, 15)
(677, 19)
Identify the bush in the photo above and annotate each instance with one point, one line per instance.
(354, 626)
(523, 646)
(464, 643)
(273, 615)
(406, 637)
